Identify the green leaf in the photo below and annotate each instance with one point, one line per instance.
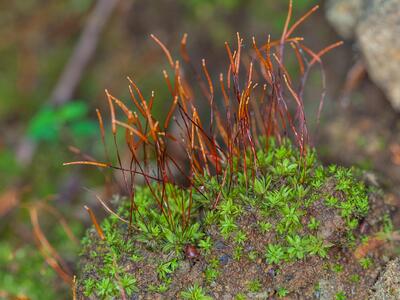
(72, 111)
(44, 125)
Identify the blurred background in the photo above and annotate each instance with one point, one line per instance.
(57, 57)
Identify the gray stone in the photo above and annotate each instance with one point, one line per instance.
(328, 289)
(224, 259)
(388, 285)
(378, 33)
(344, 15)
(375, 25)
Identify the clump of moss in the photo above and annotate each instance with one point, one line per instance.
(294, 212)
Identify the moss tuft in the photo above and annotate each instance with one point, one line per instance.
(282, 215)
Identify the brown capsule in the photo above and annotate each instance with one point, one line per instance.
(191, 252)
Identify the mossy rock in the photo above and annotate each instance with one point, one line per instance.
(290, 228)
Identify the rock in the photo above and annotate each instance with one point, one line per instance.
(344, 15)
(328, 289)
(388, 285)
(378, 34)
(375, 25)
(224, 259)
(332, 228)
(220, 245)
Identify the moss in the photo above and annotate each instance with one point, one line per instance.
(282, 292)
(195, 292)
(278, 216)
(340, 296)
(254, 286)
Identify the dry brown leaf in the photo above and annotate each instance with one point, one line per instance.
(372, 244)
(8, 200)
(395, 151)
